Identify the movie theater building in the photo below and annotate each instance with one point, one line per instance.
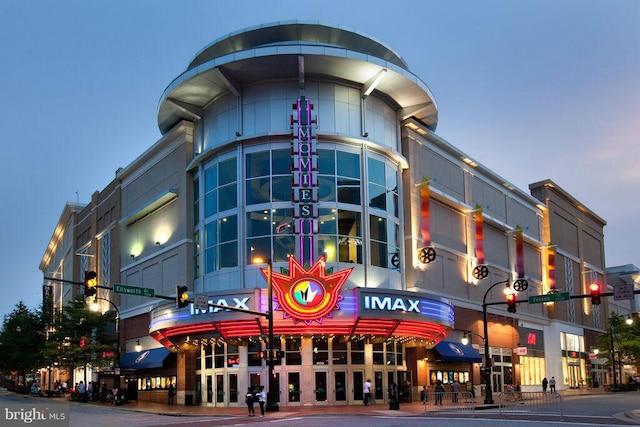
(304, 156)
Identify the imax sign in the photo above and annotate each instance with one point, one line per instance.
(388, 303)
(221, 303)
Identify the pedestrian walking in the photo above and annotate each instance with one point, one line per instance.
(172, 392)
(262, 400)
(552, 384)
(423, 394)
(366, 389)
(249, 401)
(455, 389)
(439, 389)
(545, 383)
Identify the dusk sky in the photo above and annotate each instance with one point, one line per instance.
(530, 89)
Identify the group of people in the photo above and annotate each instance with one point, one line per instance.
(549, 383)
(256, 395)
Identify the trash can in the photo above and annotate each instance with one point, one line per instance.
(394, 405)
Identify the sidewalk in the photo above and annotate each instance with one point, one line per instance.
(406, 409)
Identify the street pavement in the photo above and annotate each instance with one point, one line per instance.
(412, 409)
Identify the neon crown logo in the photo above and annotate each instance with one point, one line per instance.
(308, 295)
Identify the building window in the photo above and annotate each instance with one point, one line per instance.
(339, 183)
(208, 356)
(221, 240)
(378, 353)
(269, 234)
(221, 188)
(292, 351)
(219, 355)
(357, 352)
(254, 353)
(339, 352)
(233, 356)
(383, 187)
(340, 236)
(268, 176)
(320, 351)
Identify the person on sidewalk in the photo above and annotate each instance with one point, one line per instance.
(249, 401)
(455, 389)
(439, 389)
(552, 384)
(366, 389)
(262, 400)
(545, 383)
(172, 392)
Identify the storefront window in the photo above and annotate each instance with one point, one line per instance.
(254, 353)
(320, 351)
(219, 355)
(208, 356)
(233, 357)
(357, 352)
(339, 351)
(147, 383)
(378, 353)
(292, 351)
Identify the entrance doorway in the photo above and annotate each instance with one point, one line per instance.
(321, 386)
(358, 383)
(340, 386)
(293, 387)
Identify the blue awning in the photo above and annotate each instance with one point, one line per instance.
(456, 352)
(144, 359)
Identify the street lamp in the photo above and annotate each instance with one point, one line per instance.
(272, 395)
(95, 307)
(488, 395)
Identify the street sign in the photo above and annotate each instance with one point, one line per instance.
(133, 290)
(201, 302)
(623, 292)
(558, 296)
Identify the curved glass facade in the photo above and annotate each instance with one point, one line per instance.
(247, 208)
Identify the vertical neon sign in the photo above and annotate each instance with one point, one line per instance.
(305, 181)
(425, 200)
(479, 234)
(551, 266)
(519, 252)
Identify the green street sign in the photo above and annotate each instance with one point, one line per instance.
(558, 296)
(133, 290)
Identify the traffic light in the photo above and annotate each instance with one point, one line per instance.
(511, 302)
(90, 283)
(594, 288)
(181, 296)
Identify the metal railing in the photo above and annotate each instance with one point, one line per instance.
(536, 401)
(463, 401)
(505, 403)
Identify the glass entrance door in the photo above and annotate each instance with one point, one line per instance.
(358, 382)
(340, 386)
(293, 386)
(321, 386)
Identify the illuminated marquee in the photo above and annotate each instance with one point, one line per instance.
(308, 295)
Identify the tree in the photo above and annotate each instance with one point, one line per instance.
(22, 341)
(79, 337)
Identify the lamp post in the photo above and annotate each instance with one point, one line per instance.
(613, 360)
(488, 394)
(272, 395)
(96, 307)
